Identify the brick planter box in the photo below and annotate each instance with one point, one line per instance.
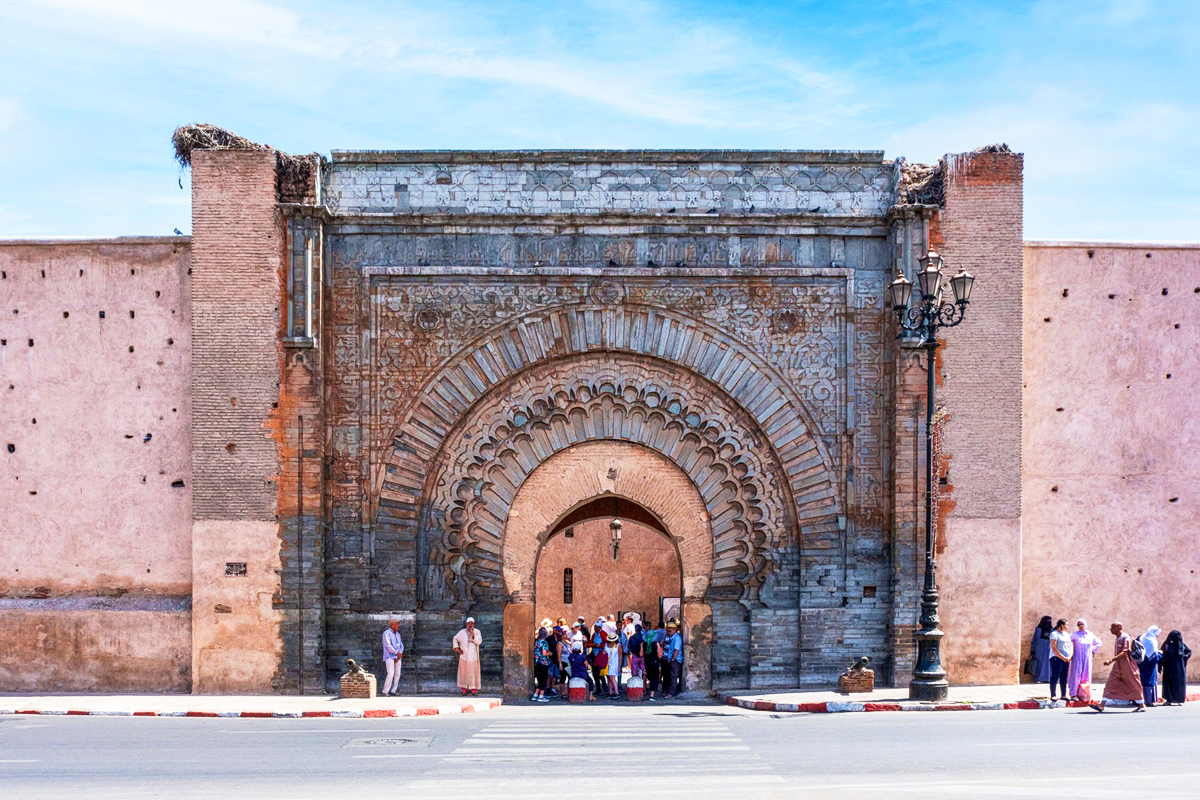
(857, 681)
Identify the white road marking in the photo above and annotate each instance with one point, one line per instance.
(347, 729)
(402, 755)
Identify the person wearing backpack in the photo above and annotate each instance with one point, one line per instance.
(1148, 666)
(599, 658)
(651, 654)
(1123, 682)
(636, 646)
(542, 658)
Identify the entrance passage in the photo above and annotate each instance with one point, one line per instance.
(579, 573)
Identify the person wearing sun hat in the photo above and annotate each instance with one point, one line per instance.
(672, 663)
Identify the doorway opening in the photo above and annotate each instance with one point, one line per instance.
(588, 567)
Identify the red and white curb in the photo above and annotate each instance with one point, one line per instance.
(839, 706)
(352, 713)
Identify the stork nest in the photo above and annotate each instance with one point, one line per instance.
(926, 183)
(293, 174)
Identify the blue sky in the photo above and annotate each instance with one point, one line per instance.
(1102, 96)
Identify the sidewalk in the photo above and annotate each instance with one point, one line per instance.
(280, 706)
(962, 698)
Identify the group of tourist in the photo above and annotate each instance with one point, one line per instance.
(599, 655)
(1063, 659)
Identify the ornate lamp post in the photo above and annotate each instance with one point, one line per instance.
(615, 532)
(922, 320)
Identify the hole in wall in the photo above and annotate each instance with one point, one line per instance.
(1112, 297)
(1066, 292)
(233, 401)
(12, 448)
(31, 342)
(131, 348)
(43, 273)
(1054, 488)
(1147, 255)
(231, 448)
(133, 272)
(1164, 292)
(176, 484)
(1060, 408)
(1047, 319)
(81, 273)
(868, 591)
(157, 293)
(33, 491)
(66, 314)
(3, 342)
(1168, 376)
(131, 315)
(101, 315)
(1176, 326)
(170, 341)
(1173, 500)
(1091, 253)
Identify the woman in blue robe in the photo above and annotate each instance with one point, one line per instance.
(1039, 650)
(1148, 666)
(1175, 655)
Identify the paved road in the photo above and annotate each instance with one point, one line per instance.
(524, 751)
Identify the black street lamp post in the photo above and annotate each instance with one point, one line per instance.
(922, 321)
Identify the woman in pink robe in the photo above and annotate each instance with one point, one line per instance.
(1086, 644)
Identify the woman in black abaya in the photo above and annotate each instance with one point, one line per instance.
(1175, 655)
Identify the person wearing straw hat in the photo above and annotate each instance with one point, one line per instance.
(466, 645)
(672, 663)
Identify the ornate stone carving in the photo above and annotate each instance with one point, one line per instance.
(609, 397)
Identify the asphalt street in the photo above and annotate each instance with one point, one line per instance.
(555, 751)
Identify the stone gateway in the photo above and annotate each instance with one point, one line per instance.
(423, 383)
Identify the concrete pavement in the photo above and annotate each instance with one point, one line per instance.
(664, 751)
(1025, 696)
(246, 706)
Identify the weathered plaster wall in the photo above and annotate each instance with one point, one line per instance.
(95, 473)
(647, 568)
(236, 646)
(980, 548)
(106, 646)
(1112, 372)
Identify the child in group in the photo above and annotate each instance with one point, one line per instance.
(579, 668)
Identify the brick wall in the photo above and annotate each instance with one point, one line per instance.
(980, 544)
(237, 260)
(647, 568)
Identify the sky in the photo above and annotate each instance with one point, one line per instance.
(1101, 96)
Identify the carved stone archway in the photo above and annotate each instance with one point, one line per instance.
(601, 397)
(572, 477)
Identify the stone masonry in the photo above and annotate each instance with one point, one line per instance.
(401, 387)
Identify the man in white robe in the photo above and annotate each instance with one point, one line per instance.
(466, 644)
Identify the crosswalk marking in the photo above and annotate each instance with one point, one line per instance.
(511, 758)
